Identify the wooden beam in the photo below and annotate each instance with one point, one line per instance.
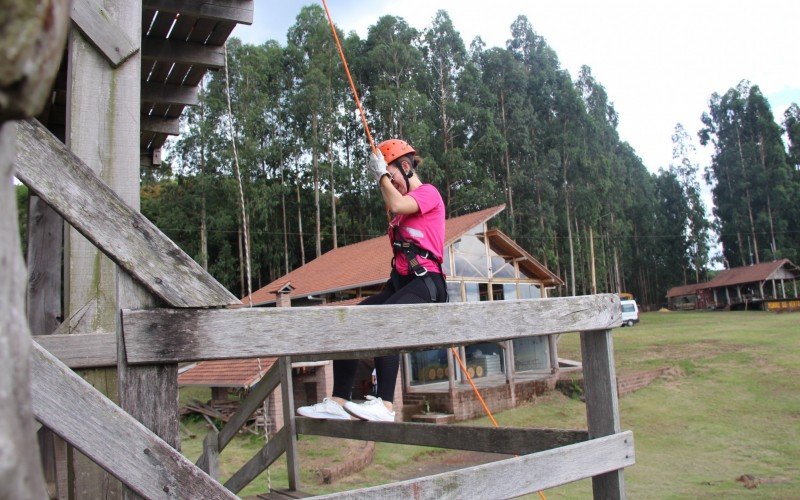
(91, 350)
(20, 467)
(290, 448)
(257, 395)
(602, 406)
(238, 11)
(101, 430)
(512, 477)
(169, 126)
(502, 440)
(101, 32)
(60, 178)
(260, 461)
(193, 54)
(173, 335)
(164, 93)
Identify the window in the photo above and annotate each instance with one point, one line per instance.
(484, 360)
(454, 291)
(428, 366)
(531, 354)
(529, 291)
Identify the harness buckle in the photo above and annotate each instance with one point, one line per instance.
(420, 272)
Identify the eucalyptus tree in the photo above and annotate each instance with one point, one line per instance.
(686, 171)
(311, 61)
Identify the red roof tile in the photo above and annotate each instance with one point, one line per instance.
(677, 291)
(361, 264)
(748, 274)
(226, 373)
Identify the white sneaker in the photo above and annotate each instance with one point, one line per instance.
(327, 409)
(371, 409)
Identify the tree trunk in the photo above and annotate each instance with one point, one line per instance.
(285, 231)
(333, 198)
(315, 161)
(507, 162)
(203, 233)
(300, 224)
(747, 196)
(773, 246)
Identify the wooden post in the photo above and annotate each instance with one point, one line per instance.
(211, 452)
(45, 237)
(22, 475)
(31, 48)
(287, 392)
(103, 112)
(552, 344)
(508, 354)
(602, 407)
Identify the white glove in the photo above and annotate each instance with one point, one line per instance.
(377, 166)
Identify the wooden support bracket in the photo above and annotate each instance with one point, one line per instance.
(95, 24)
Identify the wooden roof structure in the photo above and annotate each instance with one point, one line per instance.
(181, 41)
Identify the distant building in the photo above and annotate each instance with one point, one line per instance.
(768, 285)
(481, 264)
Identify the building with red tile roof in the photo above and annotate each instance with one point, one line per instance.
(767, 285)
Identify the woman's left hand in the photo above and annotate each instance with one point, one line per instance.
(377, 166)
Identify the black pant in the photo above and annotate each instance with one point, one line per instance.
(412, 290)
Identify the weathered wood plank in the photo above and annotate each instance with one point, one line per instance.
(211, 453)
(287, 396)
(102, 431)
(602, 405)
(60, 178)
(238, 11)
(45, 237)
(171, 51)
(180, 335)
(20, 467)
(160, 125)
(504, 440)
(512, 477)
(90, 350)
(169, 94)
(97, 26)
(260, 461)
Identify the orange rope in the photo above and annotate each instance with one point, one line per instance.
(350, 78)
(480, 398)
(474, 388)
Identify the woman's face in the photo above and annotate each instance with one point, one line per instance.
(396, 178)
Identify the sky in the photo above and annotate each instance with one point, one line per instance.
(659, 61)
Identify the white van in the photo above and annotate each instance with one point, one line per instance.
(630, 312)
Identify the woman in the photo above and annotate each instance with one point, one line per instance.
(417, 236)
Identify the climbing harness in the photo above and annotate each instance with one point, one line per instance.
(412, 251)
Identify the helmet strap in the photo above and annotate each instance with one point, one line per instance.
(406, 176)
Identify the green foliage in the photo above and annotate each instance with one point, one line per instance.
(493, 125)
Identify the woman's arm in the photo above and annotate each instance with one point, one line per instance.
(396, 202)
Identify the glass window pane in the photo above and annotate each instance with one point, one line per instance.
(509, 291)
(470, 266)
(531, 353)
(484, 360)
(501, 268)
(473, 292)
(453, 291)
(529, 291)
(428, 366)
(446, 263)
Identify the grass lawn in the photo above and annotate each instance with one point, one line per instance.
(730, 408)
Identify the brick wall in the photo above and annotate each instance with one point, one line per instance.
(626, 384)
(465, 404)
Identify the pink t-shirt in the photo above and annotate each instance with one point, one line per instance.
(424, 228)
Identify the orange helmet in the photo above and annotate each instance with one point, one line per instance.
(394, 149)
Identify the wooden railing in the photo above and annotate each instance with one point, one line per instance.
(145, 463)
